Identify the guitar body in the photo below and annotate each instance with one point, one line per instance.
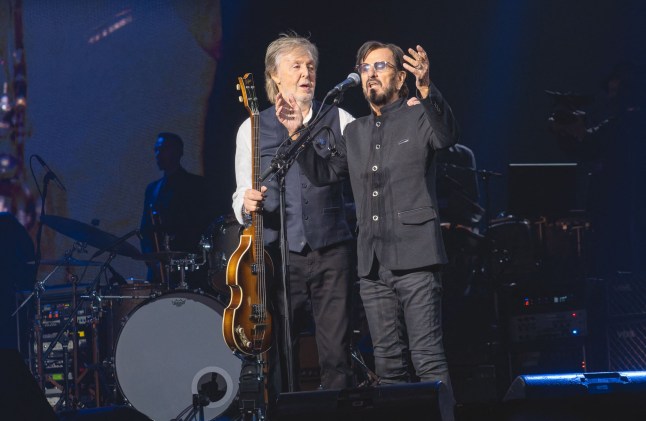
(246, 323)
(244, 326)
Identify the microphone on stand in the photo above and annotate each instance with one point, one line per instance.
(51, 173)
(351, 81)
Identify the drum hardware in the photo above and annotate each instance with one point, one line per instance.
(39, 289)
(177, 261)
(72, 320)
(69, 326)
(68, 261)
(189, 263)
(91, 235)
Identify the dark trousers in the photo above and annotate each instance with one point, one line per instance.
(404, 314)
(319, 286)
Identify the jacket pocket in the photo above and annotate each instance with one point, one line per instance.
(417, 216)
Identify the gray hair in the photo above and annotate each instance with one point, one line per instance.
(285, 43)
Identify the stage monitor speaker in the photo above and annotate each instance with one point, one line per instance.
(20, 396)
(577, 397)
(426, 400)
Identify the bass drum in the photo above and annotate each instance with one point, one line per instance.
(170, 348)
(223, 238)
(118, 302)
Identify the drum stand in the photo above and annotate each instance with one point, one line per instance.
(194, 411)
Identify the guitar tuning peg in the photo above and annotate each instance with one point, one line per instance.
(239, 99)
(237, 86)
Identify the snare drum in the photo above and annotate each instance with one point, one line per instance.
(171, 347)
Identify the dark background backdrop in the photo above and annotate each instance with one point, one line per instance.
(95, 107)
(492, 60)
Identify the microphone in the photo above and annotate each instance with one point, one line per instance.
(51, 173)
(352, 80)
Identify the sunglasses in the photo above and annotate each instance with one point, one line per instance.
(379, 67)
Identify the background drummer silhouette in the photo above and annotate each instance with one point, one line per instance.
(178, 209)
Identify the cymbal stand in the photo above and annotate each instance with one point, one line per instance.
(73, 316)
(64, 402)
(39, 288)
(75, 345)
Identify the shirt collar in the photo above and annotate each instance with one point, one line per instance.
(392, 106)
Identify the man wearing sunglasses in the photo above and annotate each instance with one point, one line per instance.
(400, 251)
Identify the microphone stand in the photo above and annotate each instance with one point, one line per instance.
(38, 289)
(279, 166)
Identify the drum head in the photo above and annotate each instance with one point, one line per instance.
(169, 348)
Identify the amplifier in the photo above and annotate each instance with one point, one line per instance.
(626, 295)
(555, 325)
(58, 367)
(55, 314)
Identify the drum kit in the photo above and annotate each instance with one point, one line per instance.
(156, 347)
(540, 236)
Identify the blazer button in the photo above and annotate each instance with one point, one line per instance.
(375, 218)
(374, 168)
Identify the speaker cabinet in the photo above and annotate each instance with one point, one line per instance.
(425, 400)
(577, 397)
(20, 396)
(627, 343)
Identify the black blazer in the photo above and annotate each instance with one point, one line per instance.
(388, 158)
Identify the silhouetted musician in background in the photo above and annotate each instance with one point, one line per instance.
(178, 209)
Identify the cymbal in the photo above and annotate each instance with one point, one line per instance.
(68, 262)
(89, 234)
(163, 256)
